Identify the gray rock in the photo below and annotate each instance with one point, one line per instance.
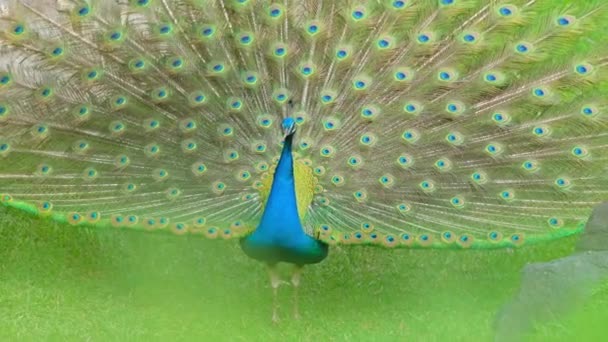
(550, 289)
(595, 236)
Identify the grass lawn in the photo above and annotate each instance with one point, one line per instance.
(60, 282)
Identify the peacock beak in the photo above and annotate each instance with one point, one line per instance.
(286, 133)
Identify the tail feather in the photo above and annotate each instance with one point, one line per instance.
(446, 123)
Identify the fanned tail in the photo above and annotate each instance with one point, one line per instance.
(420, 123)
(129, 115)
(474, 125)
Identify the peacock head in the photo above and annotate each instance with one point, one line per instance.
(289, 126)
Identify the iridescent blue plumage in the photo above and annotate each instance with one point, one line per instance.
(280, 235)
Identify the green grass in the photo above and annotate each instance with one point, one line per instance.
(59, 282)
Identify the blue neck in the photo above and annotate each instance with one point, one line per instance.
(282, 203)
(284, 171)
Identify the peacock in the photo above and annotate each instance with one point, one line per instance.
(293, 126)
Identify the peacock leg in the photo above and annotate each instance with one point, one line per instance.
(295, 281)
(275, 281)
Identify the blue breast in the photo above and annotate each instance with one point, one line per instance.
(280, 235)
